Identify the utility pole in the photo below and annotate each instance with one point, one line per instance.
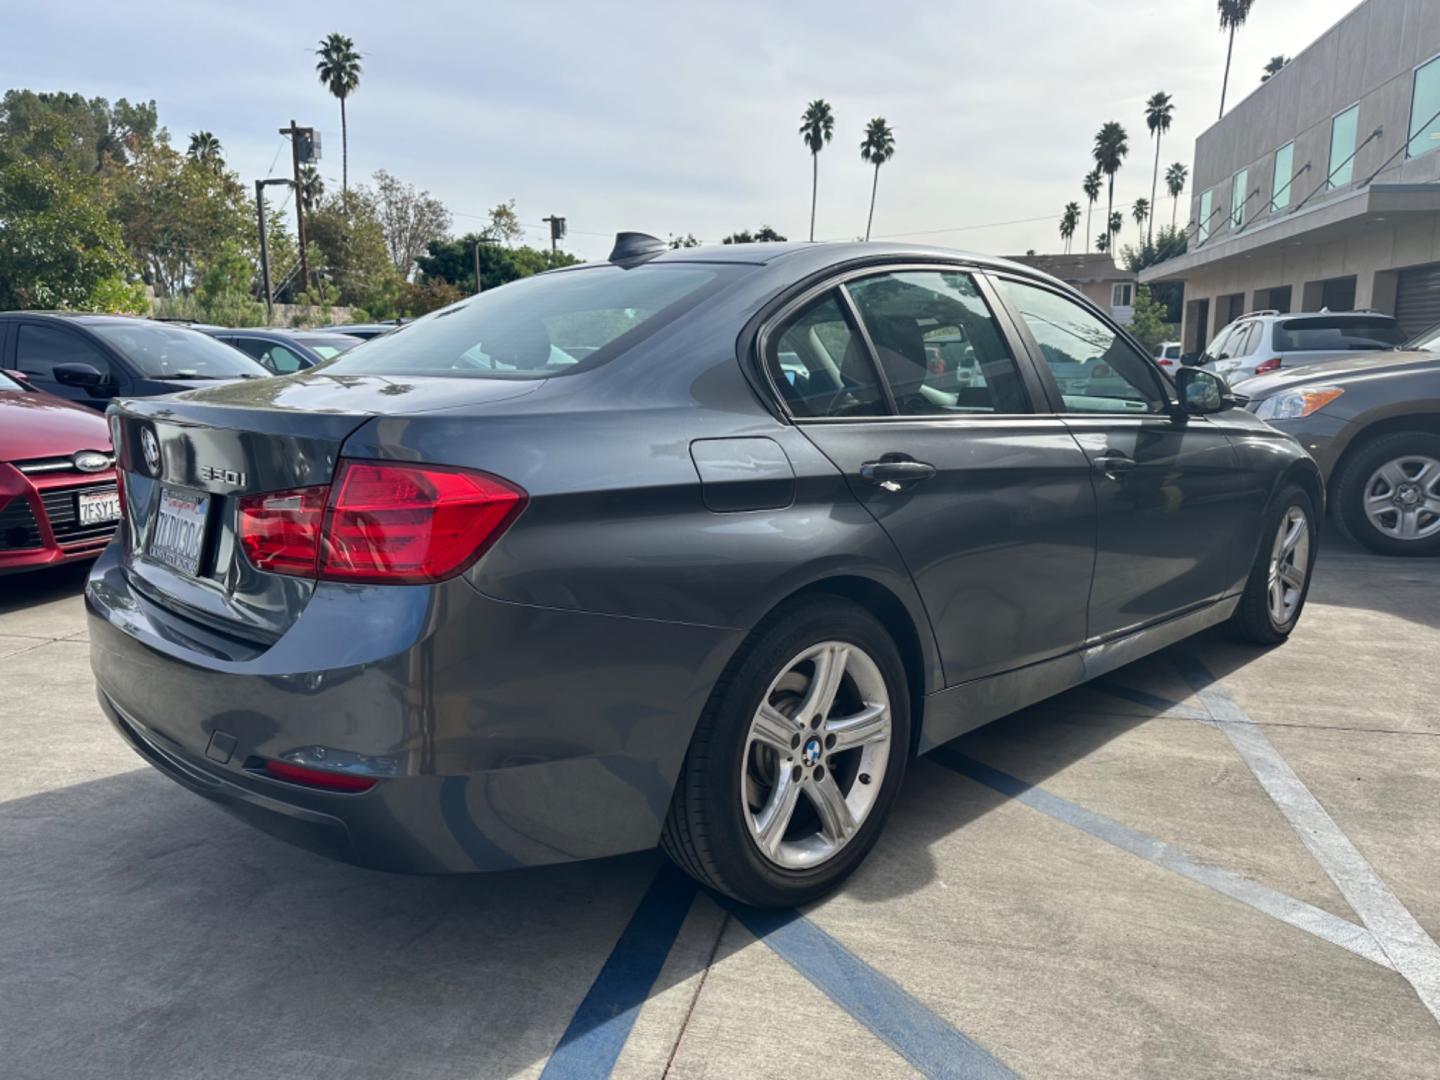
(557, 231)
(304, 148)
(260, 186)
(477, 267)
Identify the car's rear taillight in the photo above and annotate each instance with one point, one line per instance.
(1273, 364)
(380, 522)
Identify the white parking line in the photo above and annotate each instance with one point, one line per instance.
(1412, 951)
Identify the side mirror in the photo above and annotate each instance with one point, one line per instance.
(1203, 392)
(84, 375)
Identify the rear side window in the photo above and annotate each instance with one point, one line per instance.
(940, 349)
(1338, 333)
(820, 364)
(538, 327)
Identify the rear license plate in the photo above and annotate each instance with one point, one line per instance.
(98, 507)
(179, 530)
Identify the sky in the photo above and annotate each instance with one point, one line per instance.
(683, 118)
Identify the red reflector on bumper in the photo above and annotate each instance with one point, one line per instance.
(321, 778)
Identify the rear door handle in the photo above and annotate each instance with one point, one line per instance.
(895, 472)
(1114, 464)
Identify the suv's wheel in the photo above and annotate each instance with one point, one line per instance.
(1279, 581)
(796, 759)
(1387, 494)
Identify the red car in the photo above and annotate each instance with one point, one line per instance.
(58, 499)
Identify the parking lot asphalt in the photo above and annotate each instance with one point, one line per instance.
(1219, 861)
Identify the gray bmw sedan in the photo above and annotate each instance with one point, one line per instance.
(695, 547)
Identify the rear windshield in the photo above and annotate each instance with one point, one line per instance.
(550, 324)
(1339, 333)
(175, 352)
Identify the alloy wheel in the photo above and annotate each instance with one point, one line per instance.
(1402, 497)
(815, 755)
(1289, 565)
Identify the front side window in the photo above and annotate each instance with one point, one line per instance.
(820, 363)
(1342, 147)
(1280, 186)
(1339, 333)
(1425, 110)
(541, 326)
(1095, 368)
(1207, 204)
(939, 347)
(38, 349)
(1238, 198)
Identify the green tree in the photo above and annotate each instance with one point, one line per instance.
(878, 148)
(1175, 178)
(1167, 244)
(1111, 146)
(339, 71)
(763, 235)
(410, 218)
(312, 186)
(1069, 222)
(505, 224)
(817, 125)
(205, 148)
(354, 257)
(1117, 222)
(1233, 14)
(58, 249)
(1141, 212)
(1091, 187)
(1147, 321)
(70, 131)
(1159, 111)
(686, 241)
(453, 260)
(1275, 65)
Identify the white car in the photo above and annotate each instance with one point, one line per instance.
(1167, 354)
(1266, 341)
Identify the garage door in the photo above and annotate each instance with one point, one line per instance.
(1417, 298)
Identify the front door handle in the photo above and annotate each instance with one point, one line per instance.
(895, 472)
(1114, 464)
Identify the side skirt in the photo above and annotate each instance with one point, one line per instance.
(951, 712)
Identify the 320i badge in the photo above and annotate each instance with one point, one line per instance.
(693, 547)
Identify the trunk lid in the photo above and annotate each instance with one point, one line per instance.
(201, 451)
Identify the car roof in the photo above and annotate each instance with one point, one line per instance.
(828, 252)
(97, 318)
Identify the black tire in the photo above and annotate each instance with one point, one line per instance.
(1350, 483)
(1253, 620)
(705, 833)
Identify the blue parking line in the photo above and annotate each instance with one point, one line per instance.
(911, 1029)
(597, 1032)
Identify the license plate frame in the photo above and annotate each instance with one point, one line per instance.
(177, 537)
(97, 507)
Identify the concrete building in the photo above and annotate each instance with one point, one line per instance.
(1322, 188)
(1108, 287)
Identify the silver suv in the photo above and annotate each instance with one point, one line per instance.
(1265, 341)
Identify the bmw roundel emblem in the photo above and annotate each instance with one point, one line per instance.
(150, 447)
(91, 461)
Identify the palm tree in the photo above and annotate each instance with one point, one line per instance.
(1091, 187)
(878, 148)
(1111, 146)
(816, 127)
(1141, 212)
(1233, 14)
(339, 71)
(1117, 222)
(205, 148)
(1175, 178)
(1158, 111)
(1102, 242)
(1069, 222)
(1274, 67)
(312, 187)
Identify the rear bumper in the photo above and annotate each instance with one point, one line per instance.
(500, 735)
(38, 525)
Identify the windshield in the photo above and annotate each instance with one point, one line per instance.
(176, 352)
(1429, 341)
(550, 324)
(1338, 333)
(327, 348)
(7, 383)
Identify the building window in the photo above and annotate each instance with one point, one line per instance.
(1122, 294)
(1424, 123)
(1238, 198)
(1284, 170)
(1203, 232)
(1342, 147)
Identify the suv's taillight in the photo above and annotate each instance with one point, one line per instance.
(380, 522)
(1273, 364)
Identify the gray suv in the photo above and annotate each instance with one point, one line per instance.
(1266, 341)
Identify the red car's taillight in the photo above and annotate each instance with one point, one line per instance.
(1273, 364)
(380, 522)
